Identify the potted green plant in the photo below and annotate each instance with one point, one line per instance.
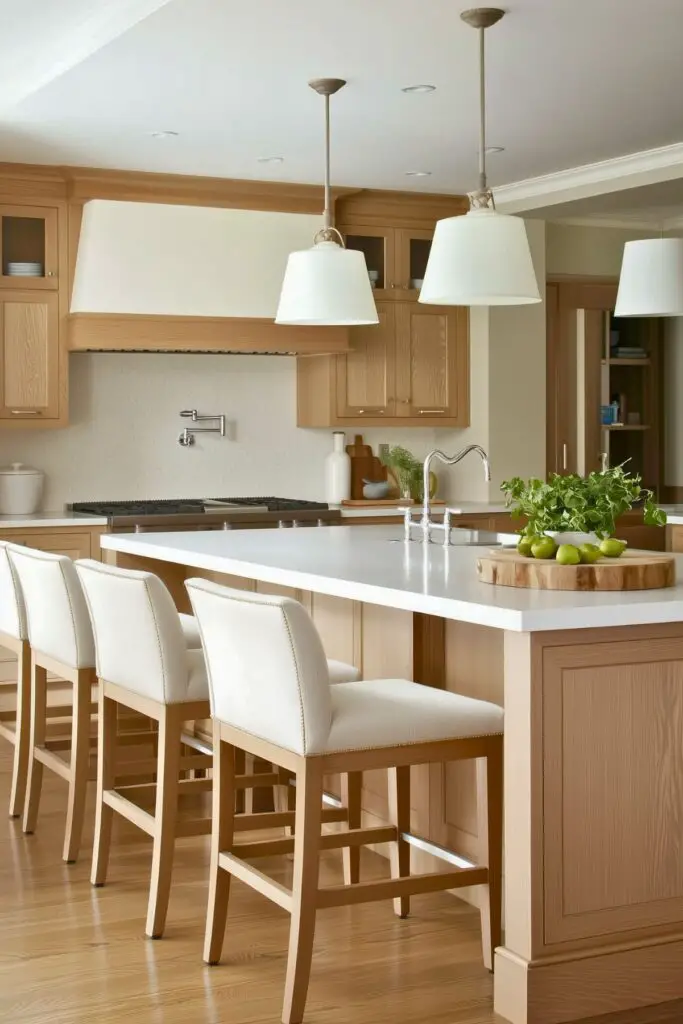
(408, 472)
(579, 510)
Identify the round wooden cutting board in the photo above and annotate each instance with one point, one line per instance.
(642, 570)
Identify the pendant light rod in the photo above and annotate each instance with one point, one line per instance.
(482, 18)
(327, 87)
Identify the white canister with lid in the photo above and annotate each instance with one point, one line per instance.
(21, 489)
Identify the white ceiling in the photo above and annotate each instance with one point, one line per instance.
(659, 206)
(570, 82)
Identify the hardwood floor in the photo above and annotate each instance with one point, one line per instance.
(70, 953)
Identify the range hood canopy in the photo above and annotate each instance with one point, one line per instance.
(188, 261)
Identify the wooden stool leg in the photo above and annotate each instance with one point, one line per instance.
(222, 831)
(106, 775)
(38, 726)
(80, 761)
(308, 823)
(249, 766)
(351, 785)
(490, 830)
(165, 815)
(22, 739)
(399, 815)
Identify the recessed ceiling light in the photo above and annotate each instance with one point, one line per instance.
(418, 88)
(270, 160)
(417, 174)
(166, 134)
(494, 149)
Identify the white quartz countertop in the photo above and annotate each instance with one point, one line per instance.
(374, 565)
(47, 519)
(674, 514)
(457, 507)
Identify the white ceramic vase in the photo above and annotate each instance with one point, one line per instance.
(337, 471)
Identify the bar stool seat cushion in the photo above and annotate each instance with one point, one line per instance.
(340, 672)
(395, 712)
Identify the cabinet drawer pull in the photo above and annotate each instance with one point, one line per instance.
(26, 412)
(375, 412)
(430, 412)
(51, 273)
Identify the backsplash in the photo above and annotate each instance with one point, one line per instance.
(122, 441)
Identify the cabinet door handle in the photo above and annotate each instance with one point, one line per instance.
(51, 273)
(429, 412)
(564, 455)
(404, 401)
(375, 412)
(26, 412)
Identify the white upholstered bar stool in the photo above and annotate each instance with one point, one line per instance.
(61, 642)
(144, 664)
(15, 722)
(270, 695)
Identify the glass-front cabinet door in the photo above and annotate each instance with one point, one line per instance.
(28, 247)
(378, 246)
(412, 252)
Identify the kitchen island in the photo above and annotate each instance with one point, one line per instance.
(593, 691)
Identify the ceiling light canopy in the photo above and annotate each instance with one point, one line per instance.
(327, 285)
(651, 279)
(481, 258)
(418, 174)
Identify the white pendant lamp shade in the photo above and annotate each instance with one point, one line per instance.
(481, 259)
(326, 285)
(651, 280)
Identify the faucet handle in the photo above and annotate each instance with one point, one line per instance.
(447, 528)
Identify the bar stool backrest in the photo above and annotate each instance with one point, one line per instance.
(266, 665)
(138, 636)
(12, 609)
(56, 613)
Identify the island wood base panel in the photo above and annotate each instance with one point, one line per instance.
(593, 791)
(561, 993)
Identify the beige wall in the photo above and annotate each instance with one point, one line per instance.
(517, 379)
(587, 251)
(122, 441)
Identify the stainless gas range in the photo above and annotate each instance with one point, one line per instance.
(169, 514)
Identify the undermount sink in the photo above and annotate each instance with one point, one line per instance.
(468, 538)
(480, 538)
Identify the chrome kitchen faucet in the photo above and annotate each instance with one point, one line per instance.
(426, 523)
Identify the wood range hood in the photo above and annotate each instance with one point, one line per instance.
(167, 277)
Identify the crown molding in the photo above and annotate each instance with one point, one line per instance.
(623, 172)
(617, 223)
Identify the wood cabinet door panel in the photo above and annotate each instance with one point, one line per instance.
(29, 335)
(365, 377)
(75, 545)
(29, 234)
(431, 362)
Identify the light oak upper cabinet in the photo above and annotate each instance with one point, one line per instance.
(431, 363)
(396, 257)
(411, 369)
(29, 235)
(365, 377)
(29, 357)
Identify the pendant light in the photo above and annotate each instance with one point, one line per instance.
(651, 279)
(481, 258)
(327, 285)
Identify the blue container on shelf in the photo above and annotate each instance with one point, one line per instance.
(607, 415)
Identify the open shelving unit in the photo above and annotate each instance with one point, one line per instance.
(633, 382)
